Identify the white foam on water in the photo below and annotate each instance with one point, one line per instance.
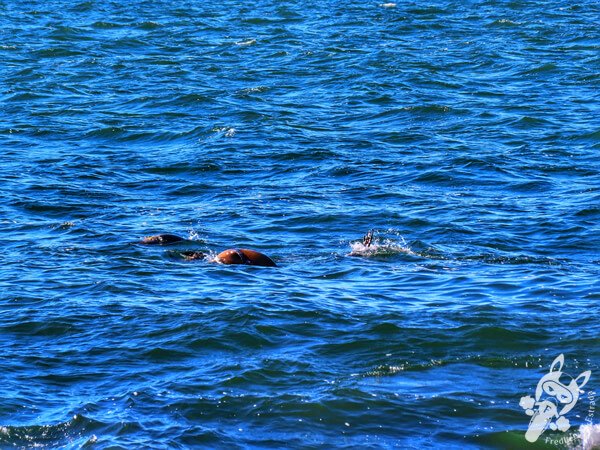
(193, 235)
(380, 247)
(246, 42)
(590, 437)
(211, 257)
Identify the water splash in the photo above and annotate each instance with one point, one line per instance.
(194, 235)
(590, 437)
(380, 246)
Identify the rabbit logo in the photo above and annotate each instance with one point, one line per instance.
(553, 399)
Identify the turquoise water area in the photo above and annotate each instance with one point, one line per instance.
(466, 134)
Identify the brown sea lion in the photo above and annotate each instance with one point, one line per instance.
(231, 256)
(245, 256)
(161, 239)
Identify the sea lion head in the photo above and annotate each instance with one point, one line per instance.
(161, 239)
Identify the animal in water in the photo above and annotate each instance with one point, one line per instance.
(230, 256)
(368, 238)
(161, 239)
(245, 256)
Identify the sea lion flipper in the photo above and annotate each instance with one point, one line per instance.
(191, 255)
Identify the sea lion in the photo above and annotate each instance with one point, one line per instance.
(161, 239)
(245, 256)
(231, 256)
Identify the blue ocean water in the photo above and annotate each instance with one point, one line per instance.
(466, 134)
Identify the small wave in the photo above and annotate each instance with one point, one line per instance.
(57, 52)
(512, 260)
(106, 25)
(528, 122)
(261, 21)
(225, 131)
(594, 136)
(107, 132)
(66, 33)
(249, 92)
(385, 370)
(435, 176)
(312, 155)
(74, 433)
(83, 7)
(190, 99)
(548, 67)
(182, 168)
(432, 109)
(426, 10)
(246, 43)
(588, 212)
(63, 226)
(531, 186)
(149, 25)
(504, 23)
(26, 96)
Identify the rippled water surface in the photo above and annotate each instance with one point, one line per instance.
(466, 134)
